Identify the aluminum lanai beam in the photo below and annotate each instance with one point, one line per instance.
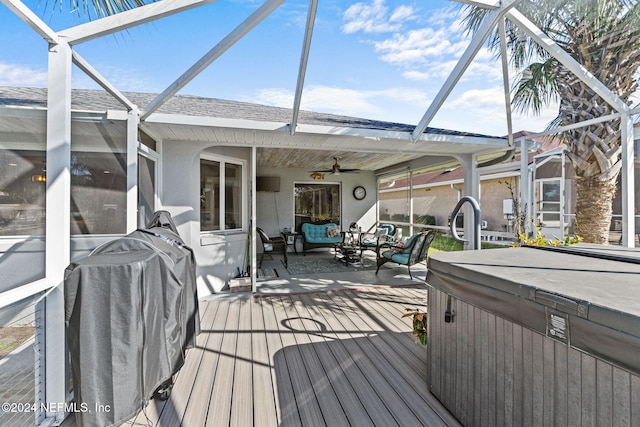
(247, 25)
(130, 18)
(565, 59)
(98, 78)
(505, 79)
(306, 46)
(488, 24)
(32, 20)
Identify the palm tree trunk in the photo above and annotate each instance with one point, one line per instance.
(593, 209)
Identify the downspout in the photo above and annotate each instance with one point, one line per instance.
(453, 187)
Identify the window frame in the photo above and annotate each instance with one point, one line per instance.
(223, 161)
(325, 183)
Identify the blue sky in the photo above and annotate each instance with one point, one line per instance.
(378, 59)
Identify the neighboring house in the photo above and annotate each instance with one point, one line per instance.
(550, 178)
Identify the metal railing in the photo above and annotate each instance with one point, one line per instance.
(475, 242)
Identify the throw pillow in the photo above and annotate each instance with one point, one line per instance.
(333, 231)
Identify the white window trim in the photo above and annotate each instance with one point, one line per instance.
(244, 202)
(154, 156)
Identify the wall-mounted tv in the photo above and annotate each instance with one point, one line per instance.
(268, 183)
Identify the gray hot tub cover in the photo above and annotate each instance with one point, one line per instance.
(131, 311)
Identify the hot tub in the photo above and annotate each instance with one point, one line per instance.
(532, 336)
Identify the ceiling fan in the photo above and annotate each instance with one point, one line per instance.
(336, 169)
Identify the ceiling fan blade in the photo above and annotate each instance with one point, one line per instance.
(349, 170)
(323, 171)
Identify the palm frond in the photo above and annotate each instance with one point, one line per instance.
(536, 88)
(95, 9)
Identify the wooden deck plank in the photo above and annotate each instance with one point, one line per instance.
(281, 378)
(264, 400)
(332, 411)
(202, 383)
(352, 363)
(242, 396)
(306, 402)
(388, 318)
(346, 395)
(399, 376)
(359, 345)
(219, 411)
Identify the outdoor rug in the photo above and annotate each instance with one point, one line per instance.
(312, 265)
(267, 273)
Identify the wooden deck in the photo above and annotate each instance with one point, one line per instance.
(326, 358)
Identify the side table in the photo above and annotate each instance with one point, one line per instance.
(290, 238)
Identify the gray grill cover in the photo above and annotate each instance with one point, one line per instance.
(131, 311)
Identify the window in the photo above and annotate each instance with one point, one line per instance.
(98, 192)
(22, 192)
(221, 194)
(316, 202)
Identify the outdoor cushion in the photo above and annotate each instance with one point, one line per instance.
(400, 258)
(407, 244)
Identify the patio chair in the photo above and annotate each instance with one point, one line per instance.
(384, 233)
(274, 245)
(412, 252)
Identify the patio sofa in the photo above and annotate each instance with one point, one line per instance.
(320, 236)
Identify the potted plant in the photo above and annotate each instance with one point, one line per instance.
(419, 324)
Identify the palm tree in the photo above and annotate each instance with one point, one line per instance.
(604, 37)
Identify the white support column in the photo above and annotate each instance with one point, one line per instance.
(469, 164)
(58, 240)
(411, 228)
(133, 120)
(252, 230)
(525, 187)
(628, 183)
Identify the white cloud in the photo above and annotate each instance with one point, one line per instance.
(416, 75)
(126, 80)
(22, 75)
(375, 17)
(484, 112)
(414, 46)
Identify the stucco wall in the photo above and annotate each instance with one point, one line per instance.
(275, 209)
(218, 255)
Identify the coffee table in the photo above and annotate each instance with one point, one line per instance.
(349, 254)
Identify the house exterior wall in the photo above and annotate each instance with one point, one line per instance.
(492, 194)
(218, 255)
(275, 210)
